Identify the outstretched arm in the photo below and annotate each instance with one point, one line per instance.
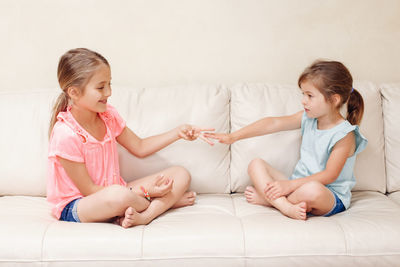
(147, 146)
(261, 127)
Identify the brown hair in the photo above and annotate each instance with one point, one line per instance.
(75, 68)
(332, 77)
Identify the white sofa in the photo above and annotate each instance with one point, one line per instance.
(221, 229)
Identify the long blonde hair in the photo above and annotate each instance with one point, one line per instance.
(75, 68)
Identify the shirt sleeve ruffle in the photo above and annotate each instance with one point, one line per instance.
(65, 143)
(361, 141)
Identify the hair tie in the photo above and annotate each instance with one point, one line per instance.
(352, 89)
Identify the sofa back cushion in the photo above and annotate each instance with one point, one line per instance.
(25, 119)
(251, 102)
(24, 124)
(156, 110)
(391, 121)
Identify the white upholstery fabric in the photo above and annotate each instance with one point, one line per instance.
(369, 217)
(24, 123)
(220, 230)
(395, 196)
(156, 110)
(251, 102)
(23, 224)
(147, 112)
(391, 120)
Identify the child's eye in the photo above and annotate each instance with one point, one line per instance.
(101, 88)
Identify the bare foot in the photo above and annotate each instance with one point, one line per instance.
(297, 211)
(187, 199)
(131, 218)
(253, 197)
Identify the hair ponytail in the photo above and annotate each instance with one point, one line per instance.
(332, 77)
(355, 108)
(60, 105)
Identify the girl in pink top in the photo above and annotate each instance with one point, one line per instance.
(84, 182)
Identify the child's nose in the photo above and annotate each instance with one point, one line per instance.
(107, 91)
(303, 100)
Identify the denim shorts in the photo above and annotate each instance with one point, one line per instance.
(70, 213)
(339, 207)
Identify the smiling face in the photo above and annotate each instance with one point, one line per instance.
(96, 91)
(315, 104)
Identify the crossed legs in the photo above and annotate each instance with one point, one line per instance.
(132, 208)
(312, 197)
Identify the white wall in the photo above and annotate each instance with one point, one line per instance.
(175, 42)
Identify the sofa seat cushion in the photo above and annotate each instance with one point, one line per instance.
(23, 225)
(220, 229)
(370, 227)
(395, 196)
(208, 229)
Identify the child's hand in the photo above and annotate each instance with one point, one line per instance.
(162, 186)
(221, 137)
(277, 189)
(190, 133)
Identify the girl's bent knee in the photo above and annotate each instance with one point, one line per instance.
(182, 176)
(118, 196)
(183, 172)
(313, 190)
(255, 164)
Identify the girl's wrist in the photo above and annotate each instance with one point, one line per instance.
(294, 184)
(233, 137)
(176, 132)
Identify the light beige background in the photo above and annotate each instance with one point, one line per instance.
(157, 43)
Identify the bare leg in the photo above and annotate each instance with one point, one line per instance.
(131, 216)
(159, 205)
(320, 200)
(260, 173)
(108, 203)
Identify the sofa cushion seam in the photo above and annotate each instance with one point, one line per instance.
(241, 225)
(44, 236)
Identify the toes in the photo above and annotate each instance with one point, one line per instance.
(129, 212)
(249, 189)
(191, 194)
(303, 206)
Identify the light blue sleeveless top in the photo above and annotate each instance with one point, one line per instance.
(316, 148)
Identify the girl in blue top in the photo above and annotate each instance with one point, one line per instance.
(323, 177)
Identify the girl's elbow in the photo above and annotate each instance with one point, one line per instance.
(138, 153)
(141, 155)
(88, 191)
(330, 178)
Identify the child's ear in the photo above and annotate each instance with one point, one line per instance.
(73, 92)
(336, 99)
